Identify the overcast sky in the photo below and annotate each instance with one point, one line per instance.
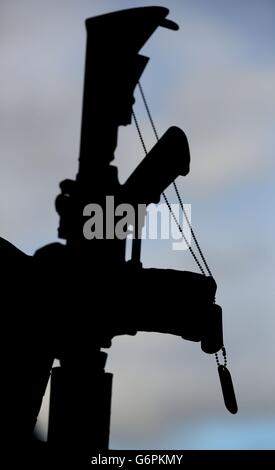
(214, 78)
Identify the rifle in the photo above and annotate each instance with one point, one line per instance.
(84, 275)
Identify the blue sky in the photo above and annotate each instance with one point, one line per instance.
(215, 79)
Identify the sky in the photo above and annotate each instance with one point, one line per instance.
(214, 78)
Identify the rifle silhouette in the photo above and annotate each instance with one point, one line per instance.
(84, 288)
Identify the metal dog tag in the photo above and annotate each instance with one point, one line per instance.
(227, 389)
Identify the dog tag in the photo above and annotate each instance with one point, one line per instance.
(227, 389)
